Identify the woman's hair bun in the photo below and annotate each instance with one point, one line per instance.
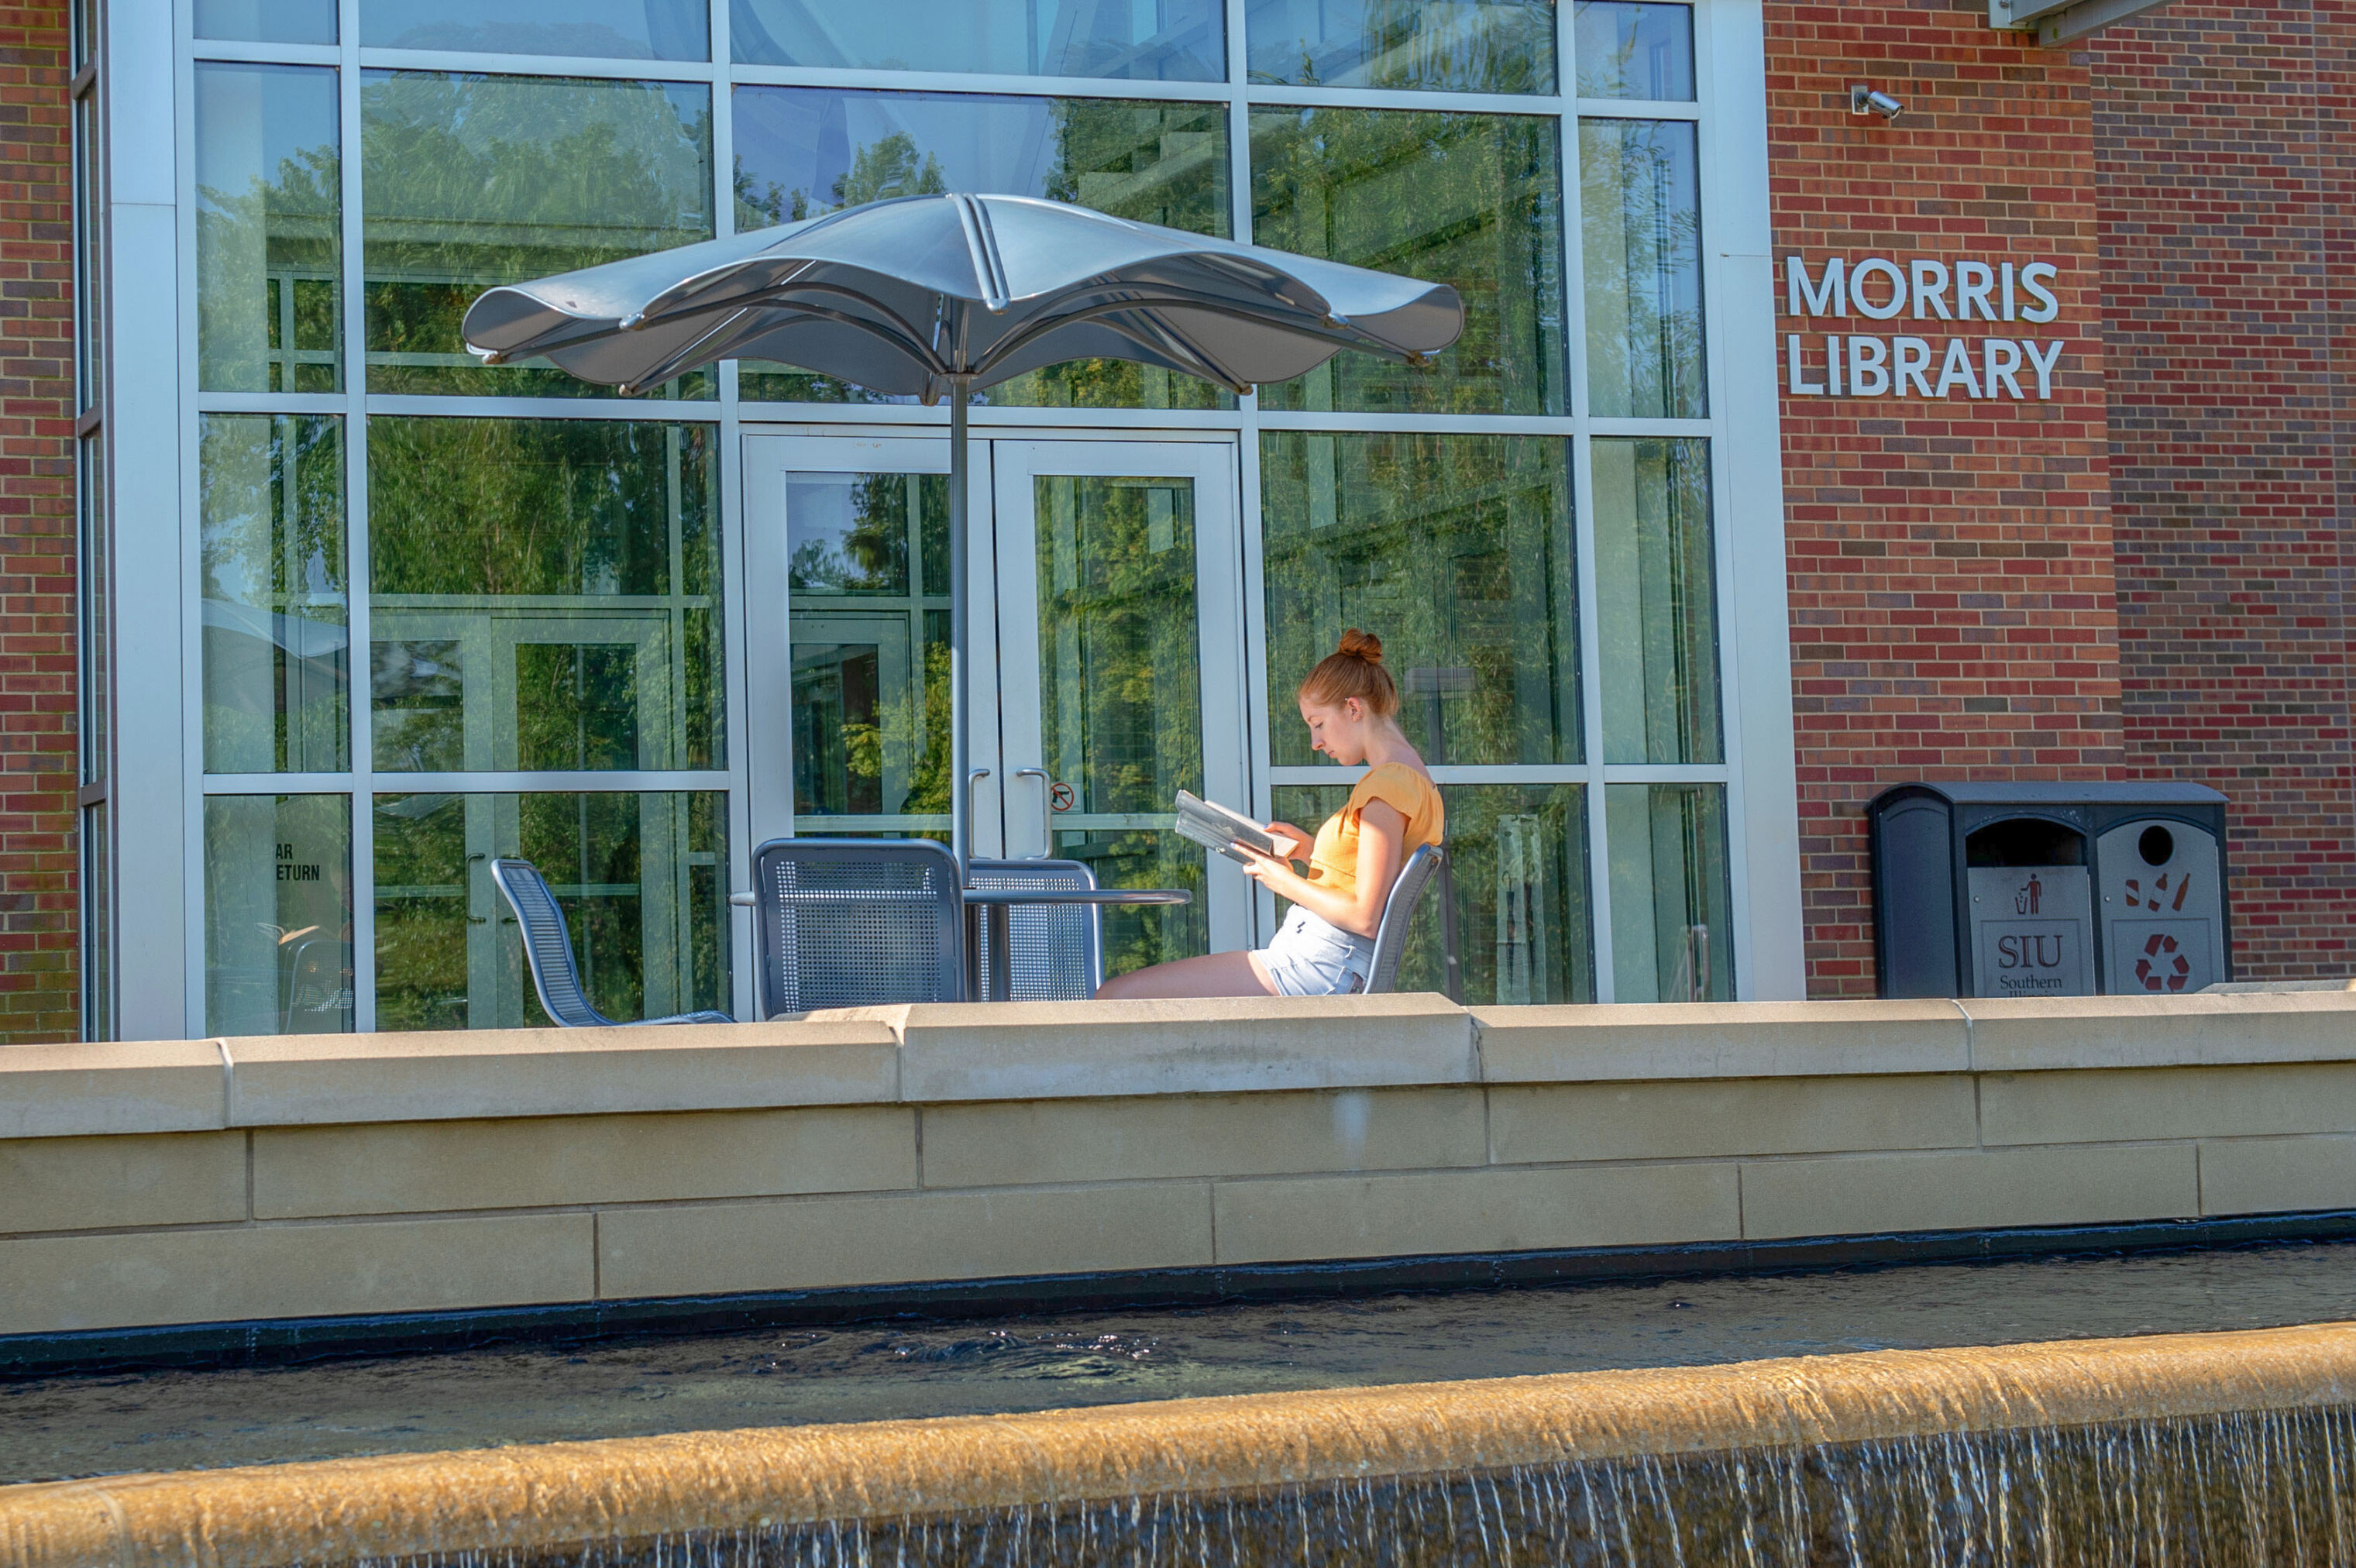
(1353, 669)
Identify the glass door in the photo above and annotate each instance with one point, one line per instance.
(1121, 656)
(847, 615)
(1106, 672)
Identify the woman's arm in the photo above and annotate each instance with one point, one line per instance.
(1382, 837)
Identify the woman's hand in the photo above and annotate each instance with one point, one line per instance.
(1291, 842)
(1262, 867)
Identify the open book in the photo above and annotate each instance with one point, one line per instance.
(1213, 827)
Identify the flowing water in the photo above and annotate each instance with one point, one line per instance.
(2273, 1488)
(184, 1420)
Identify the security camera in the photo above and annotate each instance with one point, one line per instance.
(1864, 100)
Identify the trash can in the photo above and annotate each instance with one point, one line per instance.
(2048, 890)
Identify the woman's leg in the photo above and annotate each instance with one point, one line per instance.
(1213, 974)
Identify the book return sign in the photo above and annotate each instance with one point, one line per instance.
(1867, 365)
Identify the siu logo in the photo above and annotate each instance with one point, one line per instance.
(2042, 951)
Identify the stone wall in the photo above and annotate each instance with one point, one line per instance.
(208, 1181)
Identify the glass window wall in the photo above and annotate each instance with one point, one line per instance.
(1655, 601)
(618, 29)
(802, 151)
(1628, 49)
(1130, 40)
(267, 21)
(1458, 550)
(269, 229)
(642, 879)
(543, 594)
(97, 923)
(472, 180)
(1672, 909)
(1473, 200)
(1434, 46)
(94, 557)
(278, 914)
(1640, 211)
(276, 634)
(1120, 695)
(867, 570)
(1511, 898)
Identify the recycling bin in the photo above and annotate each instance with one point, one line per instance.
(1984, 888)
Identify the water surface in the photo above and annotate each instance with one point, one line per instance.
(180, 1420)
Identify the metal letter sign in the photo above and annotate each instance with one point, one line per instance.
(1869, 366)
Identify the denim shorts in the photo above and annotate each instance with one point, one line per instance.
(1312, 958)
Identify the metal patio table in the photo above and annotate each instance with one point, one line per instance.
(996, 905)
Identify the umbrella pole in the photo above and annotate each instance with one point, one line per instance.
(960, 748)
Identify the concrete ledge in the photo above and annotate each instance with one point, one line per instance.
(1041, 1051)
(2020, 1036)
(314, 1079)
(138, 1086)
(1720, 1040)
(283, 1179)
(1068, 1050)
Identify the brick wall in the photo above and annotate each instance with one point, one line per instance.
(2227, 172)
(1952, 602)
(38, 775)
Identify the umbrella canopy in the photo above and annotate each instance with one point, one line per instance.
(906, 296)
(936, 295)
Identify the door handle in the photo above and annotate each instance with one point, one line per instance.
(1046, 809)
(972, 778)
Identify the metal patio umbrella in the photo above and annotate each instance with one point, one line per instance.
(939, 295)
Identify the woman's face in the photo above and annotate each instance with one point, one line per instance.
(1337, 729)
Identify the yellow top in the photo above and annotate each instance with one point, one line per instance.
(1334, 859)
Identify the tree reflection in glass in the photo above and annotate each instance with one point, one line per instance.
(475, 180)
(1121, 696)
(624, 29)
(544, 594)
(868, 572)
(1473, 200)
(1635, 48)
(1640, 221)
(1457, 550)
(1517, 875)
(1440, 46)
(269, 229)
(271, 555)
(640, 877)
(1672, 901)
(1168, 40)
(803, 152)
(1655, 601)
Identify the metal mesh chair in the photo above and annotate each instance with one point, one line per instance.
(1057, 951)
(547, 949)
(1398, 915)
(851, 923)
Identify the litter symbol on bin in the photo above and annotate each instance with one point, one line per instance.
(2162, 966)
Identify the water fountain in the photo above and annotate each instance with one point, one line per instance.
(2226, 1447)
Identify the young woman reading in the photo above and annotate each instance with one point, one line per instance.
(1328, 941)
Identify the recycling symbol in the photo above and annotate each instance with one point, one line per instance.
(2162, 966)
